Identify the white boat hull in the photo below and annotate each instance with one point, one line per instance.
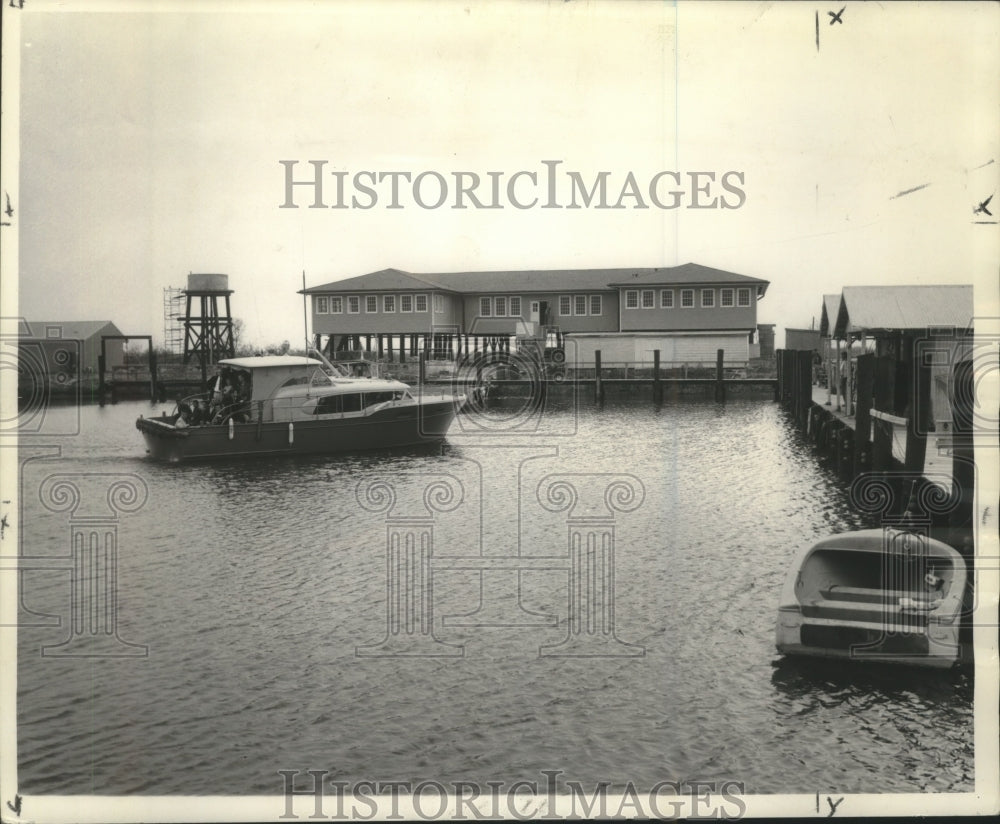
(882, 596)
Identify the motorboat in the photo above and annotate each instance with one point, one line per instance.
(885, 595)
(288, 404)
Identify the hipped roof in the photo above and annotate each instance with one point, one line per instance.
(537, 280)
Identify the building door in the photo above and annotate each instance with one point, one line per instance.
(543, 311)
(534, 312)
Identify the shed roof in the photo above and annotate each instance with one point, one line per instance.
(877, 308)
(537, 280)
(68, 329)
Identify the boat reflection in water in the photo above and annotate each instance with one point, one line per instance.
(286, 405)
(887, 596)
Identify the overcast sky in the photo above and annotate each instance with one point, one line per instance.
(150, 141)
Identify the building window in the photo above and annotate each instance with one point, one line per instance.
(743, 297)
(647, 299)
(666, 298)
(595, 304)
(485, 309)
(371, 303)
(336, 305)
(631, 299)
(726, 298)
(406, 303)
(500, 307)
(388, 303)
(515, 307)
(707, 298)
(565, 306)
(353, 305)
(420, 301)
(579, 304)
(438, 303)
(687, 298)
(322, 306)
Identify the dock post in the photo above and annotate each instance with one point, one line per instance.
(598, 384)
(100, 375)
(423, 367)
(720, 384)
(657, 386)
(804, 385)
(777, 375)
(152, 372)
(917, 422)
(884, 393)
(862, 412)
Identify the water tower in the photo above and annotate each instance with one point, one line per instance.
(208, 325)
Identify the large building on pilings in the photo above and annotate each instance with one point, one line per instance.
(687, 312)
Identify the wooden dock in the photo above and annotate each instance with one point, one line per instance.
(600, 376)
(901, 463)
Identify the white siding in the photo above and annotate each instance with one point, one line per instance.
(626, 348)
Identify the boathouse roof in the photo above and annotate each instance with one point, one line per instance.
(875, 309)
(538, 280)
(828, 317)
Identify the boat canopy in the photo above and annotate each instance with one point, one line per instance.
(269, 373)
(270, 361)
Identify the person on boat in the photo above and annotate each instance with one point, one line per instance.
(184, 414)
(199, 413)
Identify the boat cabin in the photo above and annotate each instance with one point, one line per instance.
(284, 388)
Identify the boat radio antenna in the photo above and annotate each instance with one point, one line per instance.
(305, 314)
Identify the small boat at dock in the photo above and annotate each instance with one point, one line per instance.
(282, 405)
(883, 595)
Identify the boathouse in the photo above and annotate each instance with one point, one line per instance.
(900, 323)
(688, 312)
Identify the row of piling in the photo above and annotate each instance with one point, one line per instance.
(886, 393)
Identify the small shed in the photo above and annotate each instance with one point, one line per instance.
(73, 346)
(803, 340)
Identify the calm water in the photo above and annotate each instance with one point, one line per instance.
(252, 583)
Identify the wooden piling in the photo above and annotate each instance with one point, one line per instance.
(720, 384)
(657, 386)
(598, 384)
(152, 373)
(918, 420)
(777, 375)
(423, 367)
(862, 412)
(804, 359)
(883, 401)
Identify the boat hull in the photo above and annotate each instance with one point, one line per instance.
(864, 596)
(391, 427)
